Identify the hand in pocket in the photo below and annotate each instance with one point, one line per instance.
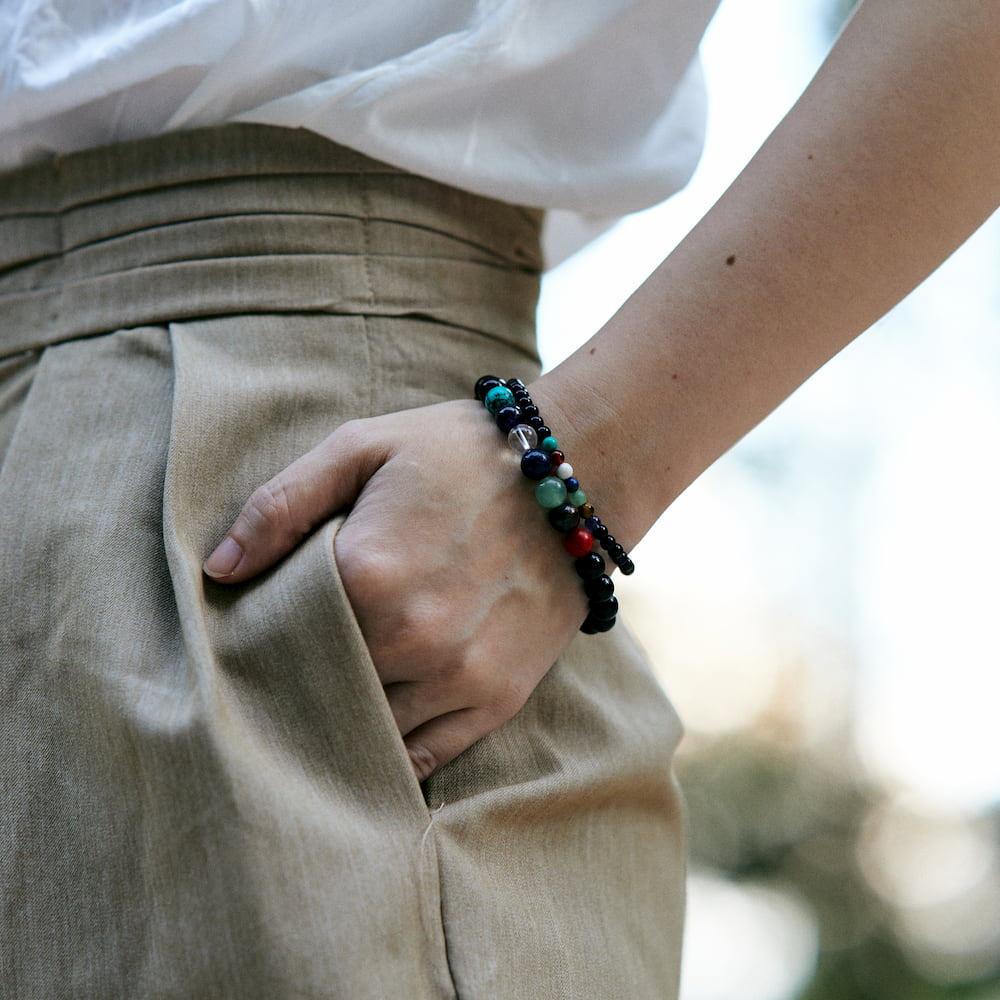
(462, 590)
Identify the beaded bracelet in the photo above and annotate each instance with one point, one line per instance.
(558, 490)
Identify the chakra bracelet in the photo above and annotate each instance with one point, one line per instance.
(558, 490)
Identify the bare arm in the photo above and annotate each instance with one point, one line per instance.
(887, 163)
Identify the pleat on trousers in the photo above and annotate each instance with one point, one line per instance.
(203, 790)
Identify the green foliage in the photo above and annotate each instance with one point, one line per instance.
(776, 815)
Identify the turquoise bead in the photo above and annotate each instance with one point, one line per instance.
(549, 444)
(550, 492)
(497, 398)
(577, 498)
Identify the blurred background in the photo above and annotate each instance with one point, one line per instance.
(822, 607)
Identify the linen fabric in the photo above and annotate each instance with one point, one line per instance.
(202, 789)
(596, 106)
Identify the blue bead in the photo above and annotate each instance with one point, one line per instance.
(592, 523)
(572, 484)
(508, 418)
(497, 398)
(536, 464)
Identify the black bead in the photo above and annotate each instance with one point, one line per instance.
(627, 566)
(600, 533)
(616, 551)
(543, 432)
(599, 589)
(484, 384)
(514, 384)
(535, 422)
(564, 518)
(536, 464)
(530, 410)
(589, 566)
(592, 625)
(603, 610)
(507, 418)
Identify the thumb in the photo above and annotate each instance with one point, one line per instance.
(281, 512)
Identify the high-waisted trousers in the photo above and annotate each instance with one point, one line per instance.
(202, 789)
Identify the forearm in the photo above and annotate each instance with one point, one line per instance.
(886, 164)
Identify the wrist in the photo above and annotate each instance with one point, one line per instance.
(607, 454)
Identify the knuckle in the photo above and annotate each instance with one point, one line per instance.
(268, 504)
(510, 693)
(270, 510)
(364, 570)
(350, 436)
(424, 761)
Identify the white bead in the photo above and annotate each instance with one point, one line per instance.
(564, 471)
(522, 438)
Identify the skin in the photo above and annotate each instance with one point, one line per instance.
(886, 164)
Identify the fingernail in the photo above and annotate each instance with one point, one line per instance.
(224, 559)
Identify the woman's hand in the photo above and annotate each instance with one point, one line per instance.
(462, 590)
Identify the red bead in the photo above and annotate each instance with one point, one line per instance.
(578, 542)
(557, 459)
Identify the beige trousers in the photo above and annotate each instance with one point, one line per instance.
(203, 791)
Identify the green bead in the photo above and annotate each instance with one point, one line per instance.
(578, 498)
(550, 492)
(497, 398)
(549, 444)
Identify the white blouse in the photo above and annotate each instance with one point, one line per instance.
(590, 105)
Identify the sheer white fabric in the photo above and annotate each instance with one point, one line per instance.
(590, 105)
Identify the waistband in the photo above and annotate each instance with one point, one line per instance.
(240, 219)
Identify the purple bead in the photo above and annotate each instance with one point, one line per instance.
(508, 418)
(593, 523)
(535, 464)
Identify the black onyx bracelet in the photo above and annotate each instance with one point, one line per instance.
(558, 490)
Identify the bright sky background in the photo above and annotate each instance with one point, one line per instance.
(885, 479)
(865, 510)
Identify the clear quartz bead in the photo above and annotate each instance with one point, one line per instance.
(522, 438)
